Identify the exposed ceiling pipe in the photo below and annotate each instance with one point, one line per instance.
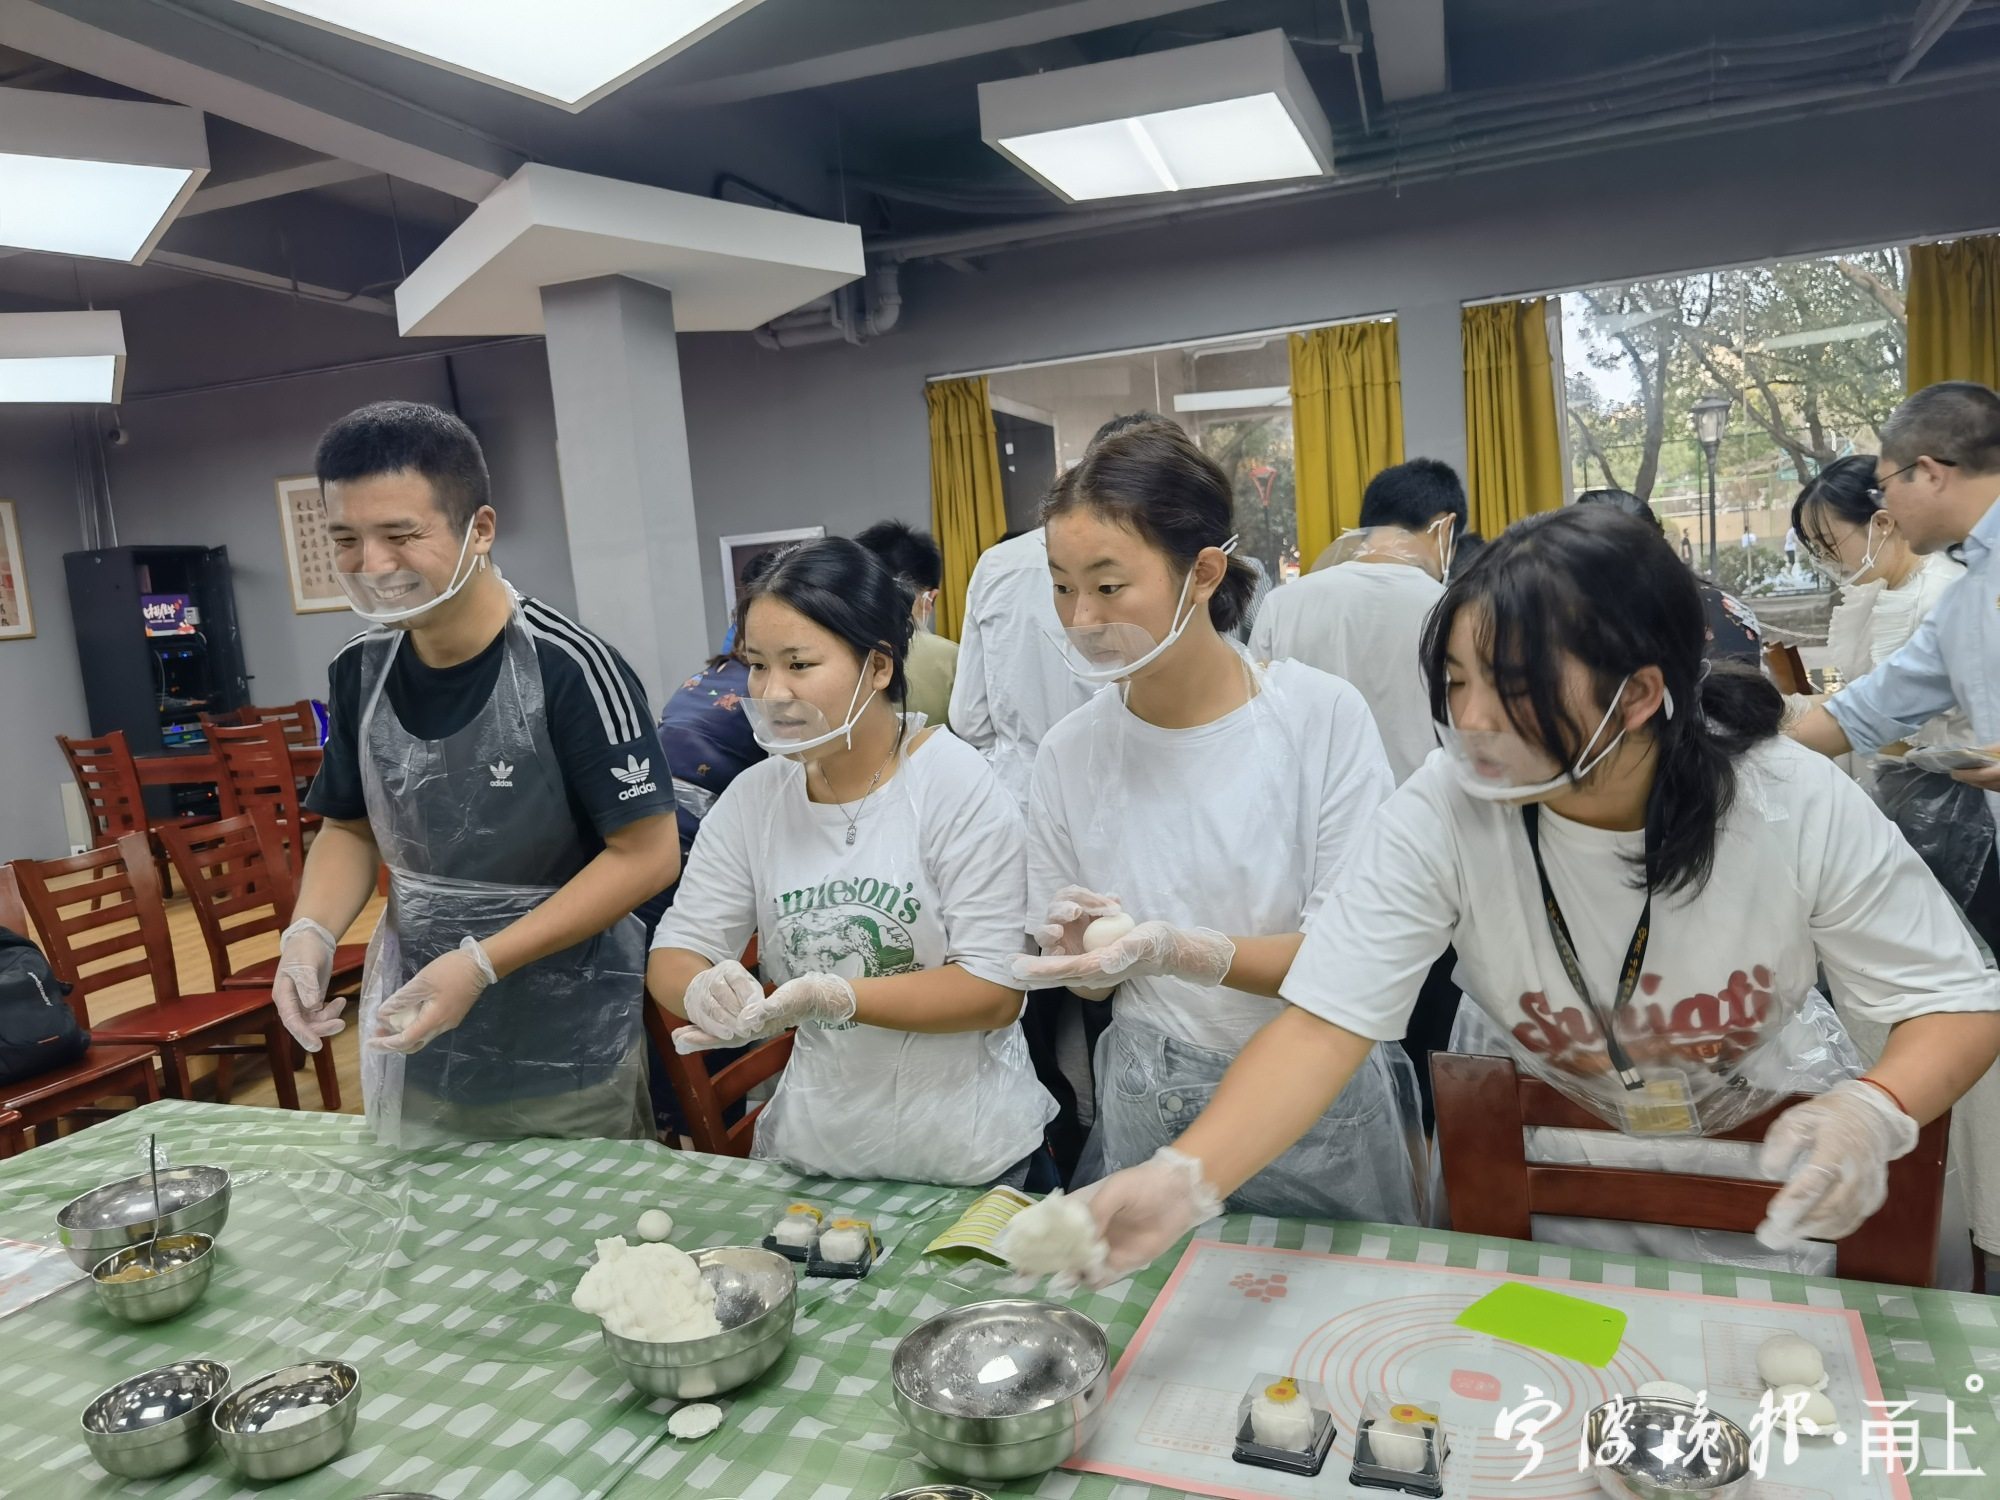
(1459, 159)
(1350, 43)
(857, 312)
(1926, 30)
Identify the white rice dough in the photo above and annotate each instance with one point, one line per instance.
(1281, 1417)
(799, 1227)
(653, 1293)
(845, 1243)
(1106, 930)
(1399, 1445)
(1816, 1415)
(1790, 1360)
(697, 1421)
(1056, 1237)
(655, 1224)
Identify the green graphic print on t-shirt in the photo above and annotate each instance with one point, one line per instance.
(854, 928)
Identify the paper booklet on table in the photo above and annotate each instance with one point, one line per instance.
(30, 1272)
(978, 1228)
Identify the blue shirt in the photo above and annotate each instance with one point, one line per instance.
(1952, 661)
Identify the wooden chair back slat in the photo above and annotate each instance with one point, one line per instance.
(109, 783)
(1485, 1109)
(298, 721)
(145, 949)
(237, 894)
(704, 1098)
(256, 771)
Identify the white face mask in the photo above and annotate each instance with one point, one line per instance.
(793, 727)
(384, 598)
(1830, 568)
(1500, 766)
(1117, 649)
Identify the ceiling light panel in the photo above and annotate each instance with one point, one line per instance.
(66, 357)
(1222, 113)
(569, 54)
(94, 177)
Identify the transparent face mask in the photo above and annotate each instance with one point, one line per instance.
(395, 596)
(1838, 573)
(1499, 765)
(793, 727)
(1115, 649)
(1430, 549)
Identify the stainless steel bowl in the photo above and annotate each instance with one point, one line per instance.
(1002, 1390)
(257, 1428)
(195, 1200)
(756, 1300)
(1716, 1470)
(940, 1492)
(157, 1422)
(186, 1261)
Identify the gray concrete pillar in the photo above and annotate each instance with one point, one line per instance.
(628, 493)
(1431, 349)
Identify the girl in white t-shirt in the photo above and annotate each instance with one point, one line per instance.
(1599, 793)
(879, 865)
(1200, 796)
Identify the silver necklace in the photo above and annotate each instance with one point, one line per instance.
(854, 817)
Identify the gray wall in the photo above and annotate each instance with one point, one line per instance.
(201, 469)
(838, 434)
(41, 693)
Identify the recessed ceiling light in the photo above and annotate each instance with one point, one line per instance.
(1226, 112)
(96, 177)
(62, 357)
(570, 53)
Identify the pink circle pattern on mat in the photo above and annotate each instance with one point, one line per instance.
(1377, 1348)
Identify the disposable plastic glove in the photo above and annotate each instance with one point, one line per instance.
(1072, 910)
(305, 969)
(1152, 950)
(1833, 1153)
(1141, 1213)
(437, 998)
(714, 1002)
(826, 998)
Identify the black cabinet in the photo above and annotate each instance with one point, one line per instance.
(157, 639)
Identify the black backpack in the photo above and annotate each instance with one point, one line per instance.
(38, 1030)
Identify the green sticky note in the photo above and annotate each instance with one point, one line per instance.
(1584, 1331)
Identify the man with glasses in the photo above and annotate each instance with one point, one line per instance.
(1939, 476)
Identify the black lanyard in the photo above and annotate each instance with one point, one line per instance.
(1628, 976)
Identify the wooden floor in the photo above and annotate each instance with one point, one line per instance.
(253, 1085)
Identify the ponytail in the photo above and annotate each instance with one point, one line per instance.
(1694, 784)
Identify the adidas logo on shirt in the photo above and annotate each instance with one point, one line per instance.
(502, 774)
(637, 775)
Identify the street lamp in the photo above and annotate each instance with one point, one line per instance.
(1711, 418)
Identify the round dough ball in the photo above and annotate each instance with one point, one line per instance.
(1399, 1445)
(1666, 1390)
(1790, 1360)
(1816, 1410)
(698, 1421)
(655, 1224)
(1105, 931)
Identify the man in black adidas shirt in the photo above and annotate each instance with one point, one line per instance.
(502, 761)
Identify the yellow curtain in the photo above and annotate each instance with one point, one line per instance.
(1347, 424)
(1513, 443)
(968, 512)
(1954, 312)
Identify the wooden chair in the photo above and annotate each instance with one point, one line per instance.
(704, 1096)
(237, 875)
(1787, 668)
(298, 721)
(1484, 1108)
(113, 799)
(257, 773)
(138, 945)
(79, 1090)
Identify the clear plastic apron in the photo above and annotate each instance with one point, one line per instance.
(1362, 1159)
(477, 831)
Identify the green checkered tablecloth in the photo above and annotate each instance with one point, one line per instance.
(445, 1276)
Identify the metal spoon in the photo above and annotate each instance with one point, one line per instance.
(159, 1215)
